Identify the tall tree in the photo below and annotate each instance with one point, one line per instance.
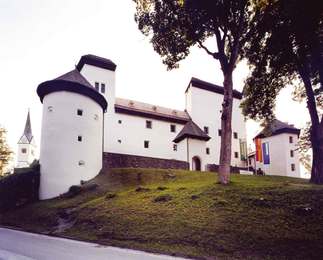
(177, 25)
(287, 48)
(5, 152)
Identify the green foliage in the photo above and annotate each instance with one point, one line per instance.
(254, 217)
(5, 152)
(175, 26)
(19, 189)
(285, 48)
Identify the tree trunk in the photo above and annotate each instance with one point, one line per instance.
(317, 149)
(226, 130)
(316, 128)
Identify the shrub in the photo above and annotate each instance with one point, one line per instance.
(19, 188)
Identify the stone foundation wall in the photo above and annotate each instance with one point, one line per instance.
(115, 160)
(233, 169)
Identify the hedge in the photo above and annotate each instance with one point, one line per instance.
(19, 188)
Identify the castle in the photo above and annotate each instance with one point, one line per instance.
(86, 128)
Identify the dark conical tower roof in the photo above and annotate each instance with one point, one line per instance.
(72, 81)
(27, 136)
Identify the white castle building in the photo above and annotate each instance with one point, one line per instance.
(276, 150)
(85, 128)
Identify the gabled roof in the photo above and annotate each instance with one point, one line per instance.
(27, 136)
(136, 108)
(72, 81)
(193, 131)
(197, 83)
(96, 61)
(277, 127)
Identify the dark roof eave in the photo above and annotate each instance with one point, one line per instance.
(136, 112)
(96, 61)
(280, 131)
(211, 87)
(51, 86)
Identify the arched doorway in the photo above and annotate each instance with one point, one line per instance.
(196, 163)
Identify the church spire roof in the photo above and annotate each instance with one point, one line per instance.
(27, 135)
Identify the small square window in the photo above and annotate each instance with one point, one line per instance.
(207, 150)
(81, 163)
(79, 138)
(292, 167)
(146, 144)
(80, 112)
(24, 150)
(119, 121)
(291, 153)
(173, 128)
(235, 135)
(219, 132)
(97, 86)
(102, 88)
(236, 155)
(206, 129)
(290, 139)
(50, 109)
(149, 124)
(174, 147)
(119, 141)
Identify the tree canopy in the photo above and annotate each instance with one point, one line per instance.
(286, 49)
(5, 152)
(174, 26)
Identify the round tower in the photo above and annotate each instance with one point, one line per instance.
(72, 133)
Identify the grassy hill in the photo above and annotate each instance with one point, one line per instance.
(188, 214)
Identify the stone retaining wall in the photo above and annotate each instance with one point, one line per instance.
(115, 160)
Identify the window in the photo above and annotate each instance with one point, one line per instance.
(219, 132)
(80, 112)
(50, 109)
(24, 150)
(174, 147)
(206, 129)
(81, 163)
(207, 150)
(173, 128)
(119, 141)
(97, 86)
(290, 139)
(292, 167)
(291, 153)
(148, 124)
(235, 135)
(79, 138)
(102, 88)
(146, 144)
(119, 121)
(236, 155)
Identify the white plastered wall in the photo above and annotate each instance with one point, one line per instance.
(205, 109)
(280, 158)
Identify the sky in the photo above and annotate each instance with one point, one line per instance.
(43, 39)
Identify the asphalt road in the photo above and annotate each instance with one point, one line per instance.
(18, 245)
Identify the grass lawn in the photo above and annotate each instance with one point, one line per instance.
(188, 214)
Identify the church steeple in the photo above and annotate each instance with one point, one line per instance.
(27, 136)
